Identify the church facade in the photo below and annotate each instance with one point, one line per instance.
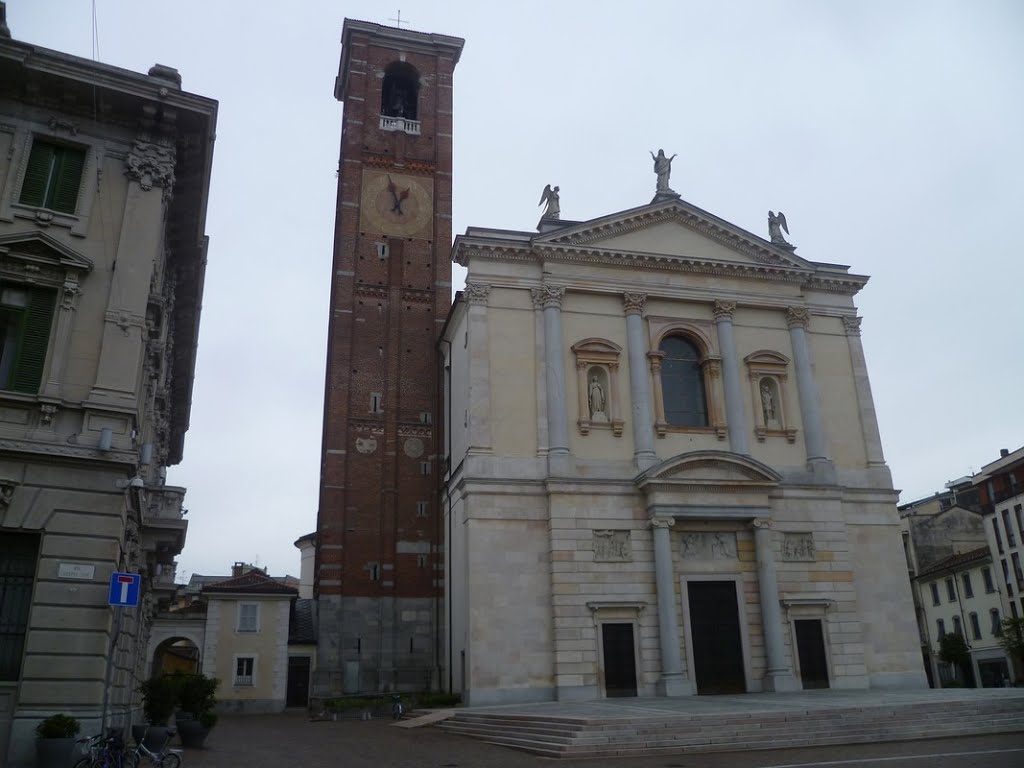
(664, 474)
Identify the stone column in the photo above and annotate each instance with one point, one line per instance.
(149, 167)
(537, 294)
(479, 368)
(865, 402)
(810, 412)
(554, 365)
(779, 676)
(639, 389)
(673, 682)
(734, 415)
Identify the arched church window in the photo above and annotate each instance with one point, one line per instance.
(682, 383)
(400, 93)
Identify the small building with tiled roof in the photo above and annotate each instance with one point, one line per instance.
(959, 593)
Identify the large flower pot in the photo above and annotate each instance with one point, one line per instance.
(193, 733)
(139, 732)
(54, 753)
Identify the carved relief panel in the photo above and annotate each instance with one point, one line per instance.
(708, 545)
(612, 546)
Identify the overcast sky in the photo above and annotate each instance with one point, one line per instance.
(890, 133)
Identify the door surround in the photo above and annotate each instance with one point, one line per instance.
(752, 685)
(613, 612)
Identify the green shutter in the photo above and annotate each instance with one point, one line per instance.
(28, 369)
(64, 194)
(40, 161)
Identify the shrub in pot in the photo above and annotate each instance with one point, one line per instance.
(158, 700)
(55, 741)
(195, 694)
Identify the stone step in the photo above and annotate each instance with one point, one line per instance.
(540, 736)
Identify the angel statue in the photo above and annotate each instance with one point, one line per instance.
(776, 226)
(550, 196)
(663, 168)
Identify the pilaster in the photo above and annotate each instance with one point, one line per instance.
(798, 320)
(862, 386)
(479, 368)
(558, 419)
(537, 295)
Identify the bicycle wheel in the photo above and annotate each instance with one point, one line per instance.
(170, 760)
(130, 760)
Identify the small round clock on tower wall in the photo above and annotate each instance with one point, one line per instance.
(397, 204)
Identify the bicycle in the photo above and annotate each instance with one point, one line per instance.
(105, 752)
(165, 757)
(397, 707)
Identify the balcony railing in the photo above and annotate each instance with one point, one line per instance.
(400, 124)
(243, 680)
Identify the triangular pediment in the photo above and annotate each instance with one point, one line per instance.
(41, 247)
(674, 229)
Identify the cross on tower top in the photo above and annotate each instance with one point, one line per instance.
(398, 21)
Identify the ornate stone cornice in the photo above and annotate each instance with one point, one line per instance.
(852, 325)
(797, 317)
(477, 293)
(662, 522)
(151, 165)
(723, 310)
(633, 303)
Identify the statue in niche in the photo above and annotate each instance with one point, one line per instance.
(768, 405)
(663, 169)
(597, 399)
(776, 225)
(550, 197)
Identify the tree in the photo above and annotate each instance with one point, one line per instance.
(1012, 641)
(953, 650)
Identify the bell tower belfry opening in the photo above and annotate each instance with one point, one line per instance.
(379, 564)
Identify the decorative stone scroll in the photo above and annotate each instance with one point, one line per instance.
(548, 296)
(852, 325)
(477, 293)
(633, 303)
(798, 547)
(708, 545)
(797, 317)
(612, 546)
(151, 165)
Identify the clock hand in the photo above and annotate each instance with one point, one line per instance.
(394, 195)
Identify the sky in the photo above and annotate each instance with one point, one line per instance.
(891, 134)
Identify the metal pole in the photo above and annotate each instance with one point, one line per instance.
(110, 669)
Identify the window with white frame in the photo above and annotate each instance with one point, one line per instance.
(950, 591)
(248, 617)
(997, 623)
(986, 577)
(958, 628)
(935, 593)
(940, 625)
(975, 626)
(245, 670)
(968, 587)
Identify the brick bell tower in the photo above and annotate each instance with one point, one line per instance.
(379, 565)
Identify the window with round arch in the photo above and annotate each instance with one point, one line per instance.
(682, 383)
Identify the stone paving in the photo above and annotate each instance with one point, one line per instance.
(291, 739)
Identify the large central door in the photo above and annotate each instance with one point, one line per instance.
(619, 659)
(715, 632)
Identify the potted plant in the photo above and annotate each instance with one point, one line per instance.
(195, 694)
(55, 741)
(158, 699)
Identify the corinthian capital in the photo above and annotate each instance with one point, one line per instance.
(797, 317)
(476, 293)
(634, 302)
(723, 309)
(548, 296)
(852, 325)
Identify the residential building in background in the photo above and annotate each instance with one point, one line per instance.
(958, 594)
(663, 471)
(104, 178)
(378, 565)
(1001, 490)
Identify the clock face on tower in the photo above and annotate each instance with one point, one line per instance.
(396, 204)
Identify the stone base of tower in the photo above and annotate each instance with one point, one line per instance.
(375, 645)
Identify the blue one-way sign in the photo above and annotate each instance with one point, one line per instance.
(124, 589)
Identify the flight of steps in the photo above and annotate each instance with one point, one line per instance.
(619, 737)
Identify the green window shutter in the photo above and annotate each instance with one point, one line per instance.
(64, 195)
(28, 370)
(37, 174)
